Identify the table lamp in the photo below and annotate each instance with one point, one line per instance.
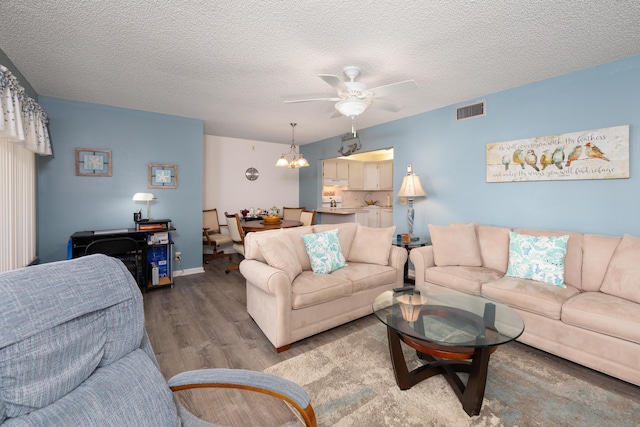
(411, 188)
(144, 197)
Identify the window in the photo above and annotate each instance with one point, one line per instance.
(18, 200)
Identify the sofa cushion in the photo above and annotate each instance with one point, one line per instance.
(310, 289)
(621, 279)
(279, 252)
(494, 246)
(346, 233)
(295, 236)
(573, 260)
(538, 258)
(597, 251)
(366, 275)
(455, 244)
(372, 245)
(605, 314)
(324, 251)
(530, 295)
(467, 279)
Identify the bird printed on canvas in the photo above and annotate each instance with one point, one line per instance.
(546, 159)
(594, 152)
(558, 156)
(575, 153)
(505, 161)
(531, 159)
(518, 157)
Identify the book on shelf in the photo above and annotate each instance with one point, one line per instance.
(153, 225)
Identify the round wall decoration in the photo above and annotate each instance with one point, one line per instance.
(252, 174)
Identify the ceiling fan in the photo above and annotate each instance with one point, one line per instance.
(354, 97)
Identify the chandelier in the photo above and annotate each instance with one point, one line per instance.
(292, 159)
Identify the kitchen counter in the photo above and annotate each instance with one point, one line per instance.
(340, 211)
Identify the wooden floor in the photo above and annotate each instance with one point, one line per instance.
(202, 323)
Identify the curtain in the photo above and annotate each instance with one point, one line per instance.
(22, 120)
(23, 134)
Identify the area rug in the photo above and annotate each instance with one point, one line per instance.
(351, 383)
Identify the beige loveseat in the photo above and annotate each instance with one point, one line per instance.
(290, 303)
(594, 321)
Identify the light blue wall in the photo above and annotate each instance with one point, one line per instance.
(449, 156)
(69, 203)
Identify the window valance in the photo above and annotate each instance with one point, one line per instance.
(22, 120)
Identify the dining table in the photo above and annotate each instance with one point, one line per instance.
(261, 225)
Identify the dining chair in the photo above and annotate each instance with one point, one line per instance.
(237, 236)
(308, 217)
(292, 213)
(212, 236)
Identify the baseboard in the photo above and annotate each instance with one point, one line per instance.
(188, 271)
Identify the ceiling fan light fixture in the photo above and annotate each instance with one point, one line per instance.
(352, 107)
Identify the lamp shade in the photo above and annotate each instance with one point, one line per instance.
(143, 197)
(411, 187)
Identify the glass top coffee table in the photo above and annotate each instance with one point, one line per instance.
(452, 332)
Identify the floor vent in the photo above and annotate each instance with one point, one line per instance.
(469, 111)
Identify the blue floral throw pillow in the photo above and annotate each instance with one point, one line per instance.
(324, 251)
(538, 258)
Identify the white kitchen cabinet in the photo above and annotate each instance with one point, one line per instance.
(356, 175)
(335, 169)
(371, 176)
(378, 175)
(386, 218)
(373, 216)
(385, 175)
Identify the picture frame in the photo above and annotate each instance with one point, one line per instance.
(93, 162)
(163, 175)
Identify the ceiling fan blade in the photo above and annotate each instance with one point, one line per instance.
(335, 82)
(312, 99)
(394, 88)
(385, 105)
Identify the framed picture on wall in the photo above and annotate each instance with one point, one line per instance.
(93, 162)
(163, 176)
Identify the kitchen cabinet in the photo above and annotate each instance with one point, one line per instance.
(378, 175)
(373, 216)
(386, 218)
(335, 169)
(378, 217)
(385, 175)
(356, 175)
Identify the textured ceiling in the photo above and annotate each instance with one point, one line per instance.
(233, 63)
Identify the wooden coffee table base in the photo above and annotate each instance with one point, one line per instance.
(443, 361)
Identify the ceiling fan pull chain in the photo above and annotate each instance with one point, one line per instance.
(353, 126)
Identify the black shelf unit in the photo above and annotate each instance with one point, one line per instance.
(117, 243)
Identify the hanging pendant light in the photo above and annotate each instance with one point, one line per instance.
(293, 159)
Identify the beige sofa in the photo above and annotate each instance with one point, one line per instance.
(289, 304)
(594, 321)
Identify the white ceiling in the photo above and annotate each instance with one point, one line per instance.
(232, 63)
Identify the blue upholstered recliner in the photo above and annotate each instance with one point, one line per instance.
(74, 352)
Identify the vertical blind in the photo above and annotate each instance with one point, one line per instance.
(23, 134)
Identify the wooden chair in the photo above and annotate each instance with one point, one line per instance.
(292, 213)
(211, 235)
(308, 217)
(237, 236)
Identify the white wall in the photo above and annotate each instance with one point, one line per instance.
(225, 186)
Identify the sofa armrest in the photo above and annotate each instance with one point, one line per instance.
(422, 258)
(397, 257)
(265, 277)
